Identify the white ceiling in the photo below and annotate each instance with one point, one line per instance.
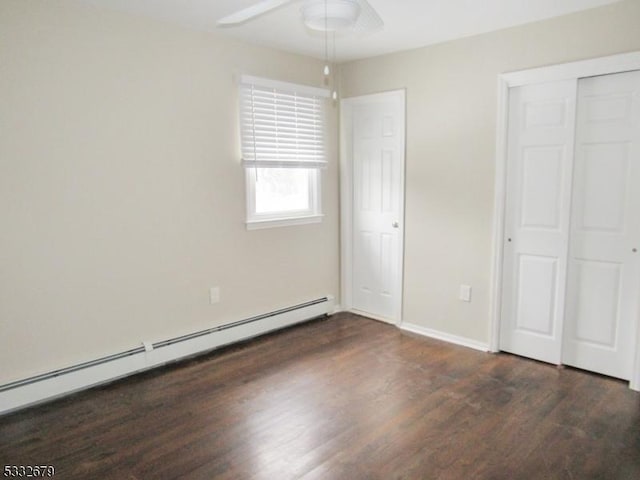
(408, 23)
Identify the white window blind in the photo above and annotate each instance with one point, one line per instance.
(282, 124)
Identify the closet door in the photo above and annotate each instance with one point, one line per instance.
(603, 283)
(539, 169)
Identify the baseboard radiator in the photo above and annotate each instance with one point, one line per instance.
(47, 386)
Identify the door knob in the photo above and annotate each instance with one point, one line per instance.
(395, 224)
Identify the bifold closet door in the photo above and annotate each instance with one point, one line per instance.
(604, 279)
(537, 218)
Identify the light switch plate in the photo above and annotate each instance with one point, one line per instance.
(465, 293)
(214, 295)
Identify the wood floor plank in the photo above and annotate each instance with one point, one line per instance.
(341, 398)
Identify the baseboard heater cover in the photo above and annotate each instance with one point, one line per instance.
(57, 383)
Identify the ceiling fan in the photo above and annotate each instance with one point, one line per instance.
(320, 15)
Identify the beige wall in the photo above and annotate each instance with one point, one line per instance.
(121, 192)
(451, 116)
(122, 196)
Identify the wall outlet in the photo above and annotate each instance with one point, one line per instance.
(214, 295)
(465, 293)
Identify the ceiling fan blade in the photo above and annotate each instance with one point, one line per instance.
(253, 11)
(368, 20)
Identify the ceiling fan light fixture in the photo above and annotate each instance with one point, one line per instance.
(333, 16)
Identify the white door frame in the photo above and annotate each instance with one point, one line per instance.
(346, 199)
(587, 68)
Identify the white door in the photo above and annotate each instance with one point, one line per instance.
(539, 169)
(603, 286)
(378, 198)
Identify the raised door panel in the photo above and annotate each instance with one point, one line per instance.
(536, 295)
(605, 169)
(597, 296)
(542, 187)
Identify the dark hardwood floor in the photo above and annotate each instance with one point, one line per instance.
(341, 398)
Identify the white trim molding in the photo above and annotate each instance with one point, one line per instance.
(346, 203)
(47, 387)
(283, 222)
(623, 62)
(445, 337)
(575, 70)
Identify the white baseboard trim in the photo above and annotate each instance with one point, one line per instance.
(373, 316)
(446, 337)
(337, 309)
(51, 387)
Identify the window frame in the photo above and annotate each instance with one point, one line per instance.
(283, 219)
(313, 214)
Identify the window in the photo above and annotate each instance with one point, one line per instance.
(283, 149)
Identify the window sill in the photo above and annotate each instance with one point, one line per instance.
(283, 222)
